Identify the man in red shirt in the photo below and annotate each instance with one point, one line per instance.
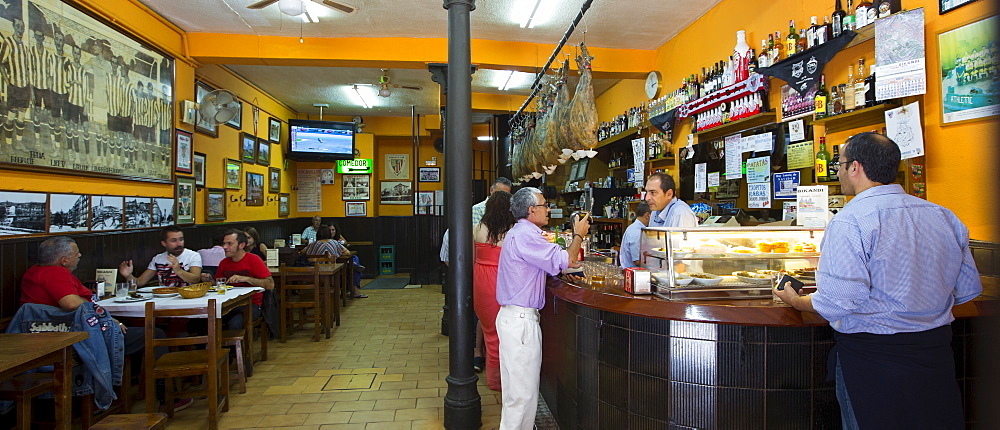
(243, 269)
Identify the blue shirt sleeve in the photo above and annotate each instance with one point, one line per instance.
(842, 279)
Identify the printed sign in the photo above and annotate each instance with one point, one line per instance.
(759, 195)
(734, 157)
(357, 165)
(800, 155)
(759, 170)
(902, 125)
(700, 178)
(786, 184)
(812, 206)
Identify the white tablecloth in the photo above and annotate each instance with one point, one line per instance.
(138, 309)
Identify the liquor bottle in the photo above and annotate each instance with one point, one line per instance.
(752, 67)
(772, 55)
(823, 35)
(779, 47)
(792, 41)
(859, 85)
(762, 57)
(870, 88)
(840, 105)
(837, 25)
(849, 19)
(821, 98)
(803, 42)
(861, 13)
(884, 8)
(742, 54)
(833, 102)
(849, 91)
(834, 169)
(822, 161)
(812, 33)
(872, 13)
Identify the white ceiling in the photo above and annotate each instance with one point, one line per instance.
(622, 24)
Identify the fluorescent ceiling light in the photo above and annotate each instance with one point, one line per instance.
(529, 20)
(484, 138)
(309, 18)
(505, 79)
(361, 98)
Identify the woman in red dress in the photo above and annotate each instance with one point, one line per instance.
(489, 235)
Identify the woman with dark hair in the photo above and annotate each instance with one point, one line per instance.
(254, 245)
(358, 268)
(336, 234)
(489, 238)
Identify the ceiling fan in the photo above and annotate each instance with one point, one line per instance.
(297, 7)
(385, 85)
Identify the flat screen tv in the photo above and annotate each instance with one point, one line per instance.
(320, 140)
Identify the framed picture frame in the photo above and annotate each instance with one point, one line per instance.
(255, 189)
(199, 169)
(202, 125)
(430, 174)
(69, 212)
(163, 211)
(355, 187)
(274, 180)
(248, 148)
(237, 121)
(184, 201)
(967, 68)
(263, 152)
(425, 202)
(215, 204)
(274, 130)
(234, 173)
(283, 202)
(184, 152)
(97, 40)
(138, 212)
(356, 208)
(24, 213)
(945, 6)
(396, 193)
(106, 212)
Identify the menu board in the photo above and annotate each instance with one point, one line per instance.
(800, 155)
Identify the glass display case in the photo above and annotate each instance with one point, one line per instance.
(716, 263)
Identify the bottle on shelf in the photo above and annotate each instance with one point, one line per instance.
(803, 42)
(811, 33)
(742, 55)
(870, 88)
(822, 161)
(849, 92)
(821, 98)
(837, 23)
(840, 106)
(763, 56)
(833, 102)
(752, 67)
(861, 13)
(859, 85)
(884, 8)
(849, 19)
(823, 35)
(833, 170)
(772, 53)
(792, 41)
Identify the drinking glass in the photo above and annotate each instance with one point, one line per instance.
(121, 290)
(220, 285)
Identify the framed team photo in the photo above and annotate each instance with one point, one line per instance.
(430, 174)
(184, 198)
(185, 152)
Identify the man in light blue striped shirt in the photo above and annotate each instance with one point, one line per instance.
(892, 267)
(668, 210)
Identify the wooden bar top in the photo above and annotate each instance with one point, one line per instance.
(741, 312)
(23, 347)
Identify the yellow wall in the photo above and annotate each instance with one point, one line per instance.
(333, 203)
(959, 161)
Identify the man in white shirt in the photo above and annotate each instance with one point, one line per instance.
(628, 256)
(668, 210)
(175, 267)
(309, 234)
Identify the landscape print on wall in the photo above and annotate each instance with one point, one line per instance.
(22, 213)
(68, 212)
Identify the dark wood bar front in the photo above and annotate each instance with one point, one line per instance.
(615, 360)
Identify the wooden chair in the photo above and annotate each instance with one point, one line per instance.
(213, 362)
(237, 339)
(305, 281)
(155, 421)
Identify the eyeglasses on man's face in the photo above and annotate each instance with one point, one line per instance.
(841, 164)
(543, 205)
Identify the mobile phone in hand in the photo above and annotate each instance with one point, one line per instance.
(788, 280)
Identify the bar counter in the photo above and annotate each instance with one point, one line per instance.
(615, 360)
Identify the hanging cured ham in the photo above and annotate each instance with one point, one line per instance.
(580, 125)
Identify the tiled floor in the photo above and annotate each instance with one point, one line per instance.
(383, 368)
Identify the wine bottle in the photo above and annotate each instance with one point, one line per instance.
(824, 31)
(812, 33)
(849, 19)
(837, 26)
(792, 41)
(849, 91)
(833, 170)
(822, 161)
(859, 85)
(821, 98)
(870, 88)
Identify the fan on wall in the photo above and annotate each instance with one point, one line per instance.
(298, 7)
(218, 107)
(385, 85)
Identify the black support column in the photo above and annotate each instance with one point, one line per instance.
(462, 405)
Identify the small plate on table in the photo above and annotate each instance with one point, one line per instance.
(141, 298)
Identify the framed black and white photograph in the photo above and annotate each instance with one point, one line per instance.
(106, 212)
(430, 174)
(283, 205)
(255, 189)
(163, 211)
(425, 202)
(102, 63)
(356, 209)
(248, 148)
(355, 187)
(138, 212)
(204, 126)
(274, 130)
(234, 174)
(184, 201)
(237, 121)
(263, 152)
(946, 6)
(184, 152)
(69, 212)
(274, 180)
(199, 169)
(22, 213)
(215, 204)
(396, 193)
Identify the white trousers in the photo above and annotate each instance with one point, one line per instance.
(520, 365)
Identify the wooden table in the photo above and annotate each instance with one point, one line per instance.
(26, 351)
(327, 273)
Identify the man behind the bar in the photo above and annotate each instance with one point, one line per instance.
(527, 257)
(893, 266)
(175, 267)
(629, 254)
(668, 210)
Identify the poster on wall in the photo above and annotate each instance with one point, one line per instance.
(106, 212)
(397, 166)
(900, 55)
(759, 195)
(969, 76)
(786, 184)
(310, 195)
(396, 193)
(68, 212)
(22, 213)
(138, 212)
(184, 200)
(902, 125)
(95, 137)
(759, 169)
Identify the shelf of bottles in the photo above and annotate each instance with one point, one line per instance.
(747, 123)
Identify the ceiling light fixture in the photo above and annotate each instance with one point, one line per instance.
(291, 7)
(309, 18)
(362, 98)
(529, 23)
(506, 81)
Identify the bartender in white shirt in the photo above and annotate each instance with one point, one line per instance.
(668, 210)
(629, 254)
